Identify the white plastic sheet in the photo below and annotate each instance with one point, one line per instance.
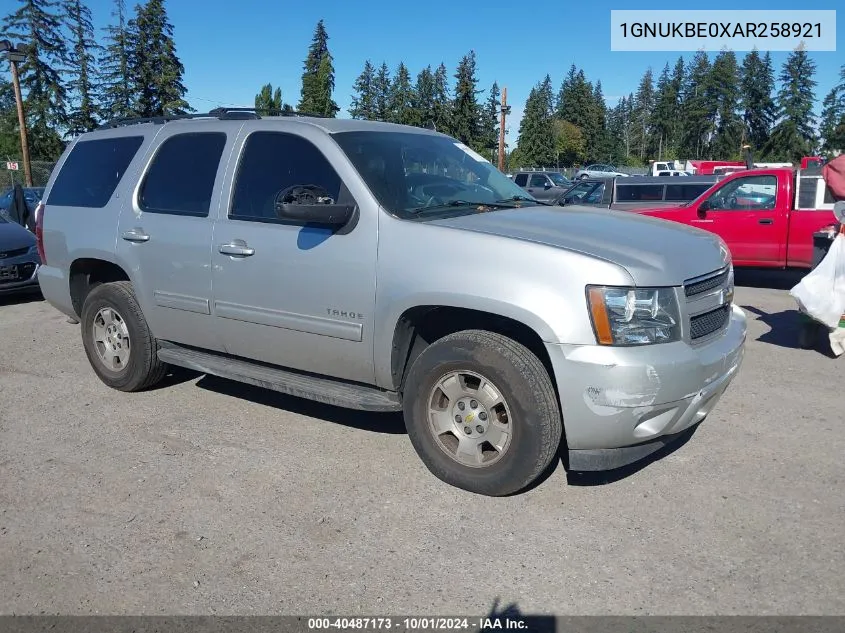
(821, 293)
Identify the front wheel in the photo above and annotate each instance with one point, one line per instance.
(481, 412)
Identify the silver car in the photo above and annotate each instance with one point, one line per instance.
(389, 268)
(598, 171)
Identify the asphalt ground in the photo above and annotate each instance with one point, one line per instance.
(210, 497)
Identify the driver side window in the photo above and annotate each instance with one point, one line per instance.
(538, 180)
(272, 162)
(752, 193)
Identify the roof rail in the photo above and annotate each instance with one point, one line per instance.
(222, 113)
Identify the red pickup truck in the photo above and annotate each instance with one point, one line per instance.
(767, 217)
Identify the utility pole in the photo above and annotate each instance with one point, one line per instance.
(504, 111)
(14, 56)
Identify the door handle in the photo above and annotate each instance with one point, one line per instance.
(238, 248)
(135, 235)
(765, 221)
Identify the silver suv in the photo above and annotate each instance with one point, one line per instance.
(389, 268)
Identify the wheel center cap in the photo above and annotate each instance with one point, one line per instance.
(471, 418)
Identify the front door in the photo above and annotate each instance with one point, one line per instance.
(293, 294)
(745, 212)
(537, 186)
(165, 232)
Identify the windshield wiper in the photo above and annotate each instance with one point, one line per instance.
(464, 203)
(525, 199)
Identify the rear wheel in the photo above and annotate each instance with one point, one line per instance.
(119, 345)
(482, 413)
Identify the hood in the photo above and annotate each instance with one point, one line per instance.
(653, 251)
(13, 236)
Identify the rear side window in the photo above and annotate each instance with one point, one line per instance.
(273, 162)
(180, 180)
(636, 193)
(685, 193)
(92, 171)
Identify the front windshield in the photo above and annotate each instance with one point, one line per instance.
(416, 175)
(558, 179)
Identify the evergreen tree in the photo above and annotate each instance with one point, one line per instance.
(698, 108)
(662, 117)
(757, 83)
(442, 102)
(424, 97)
(268, 102)
(401, 97)
(318, 76)
(793, 136)
(37, 25)
(490, 120)
(676, 88)
(10, 140)
(832, 124)
(536, 130)
(724, 77)
(565, 108)
(466, 113)
(601, 143)
(117, 84)
(381, 93)
(153, 63)
(363, 102)
(642, 115)
(83, 85)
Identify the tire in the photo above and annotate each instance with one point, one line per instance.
(532, 416)
(140, 367)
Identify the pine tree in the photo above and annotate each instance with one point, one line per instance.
(490, 120)
(153, 63)
(83, 85)
(117, 84)
(401, 97)
(793, 136)
(698, 108)
(600, 149)
(677, 87)
(381, 93)
(536, 130)
(37, 25)
(424, 97)
(724, 77)
(318, 76)
(268, 102)
(442, 102)
(466, 112)
(363, 102)
(662, 117)
(757, 83)
(642, 115)
(832, 123)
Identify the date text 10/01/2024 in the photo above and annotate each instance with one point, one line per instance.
(415, 624)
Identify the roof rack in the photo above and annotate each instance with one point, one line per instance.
(218, 113)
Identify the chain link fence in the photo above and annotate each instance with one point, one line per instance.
(570, 172)
(41, 171)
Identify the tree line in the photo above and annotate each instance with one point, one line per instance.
(74, 80)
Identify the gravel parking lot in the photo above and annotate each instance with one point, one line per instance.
(207, 497)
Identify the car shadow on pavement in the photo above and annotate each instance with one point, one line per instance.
(20, 298)
(785, 329)
(386, 423)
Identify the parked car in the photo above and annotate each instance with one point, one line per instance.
(384, 267)
(635, 192)
(32, 195)
(543, 185)
(598, 171)
(767, 217)
(19, 259)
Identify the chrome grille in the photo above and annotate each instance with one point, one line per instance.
(700, 286)
(702, 325)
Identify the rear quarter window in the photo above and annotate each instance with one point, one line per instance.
(637, 193)
(92, 171)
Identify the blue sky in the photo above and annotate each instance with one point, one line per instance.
(230, 49)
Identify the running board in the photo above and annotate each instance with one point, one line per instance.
(292, 383)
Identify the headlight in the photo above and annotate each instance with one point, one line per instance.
(634, 316)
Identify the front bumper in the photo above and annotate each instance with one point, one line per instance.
(620, 404)
(26, 267)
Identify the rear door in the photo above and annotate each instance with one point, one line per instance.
(166, 229)
(749, 213)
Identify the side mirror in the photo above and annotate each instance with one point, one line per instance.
(702, 209)
(839, 211)
(312, 205)
(548, 185)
